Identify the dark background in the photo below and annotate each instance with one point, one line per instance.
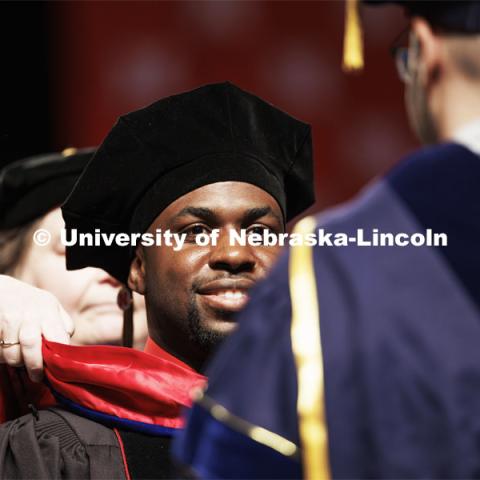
(70, 68)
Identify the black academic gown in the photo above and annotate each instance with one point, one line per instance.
(120, 409)
(58, 444)
(55, 443)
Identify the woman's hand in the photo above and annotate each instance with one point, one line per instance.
(26, 314)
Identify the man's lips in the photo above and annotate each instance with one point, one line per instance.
(226, 294)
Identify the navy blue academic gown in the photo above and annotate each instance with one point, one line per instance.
(400, 338)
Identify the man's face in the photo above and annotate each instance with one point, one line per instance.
(193, 294)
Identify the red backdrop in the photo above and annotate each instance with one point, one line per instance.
(113, 57)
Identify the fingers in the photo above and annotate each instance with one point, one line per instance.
(52, 322)
(53, 325)
(31, 349)
(11, 353)
(68, 323)
(26, 315)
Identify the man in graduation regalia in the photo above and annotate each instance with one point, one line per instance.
(213, 158)
(368, 358)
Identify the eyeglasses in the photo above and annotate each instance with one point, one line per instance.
(401, 53)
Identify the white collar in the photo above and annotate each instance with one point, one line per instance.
(469, 136)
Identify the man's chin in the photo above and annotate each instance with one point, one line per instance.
(208, 333)
(219, 327)
(209, 326)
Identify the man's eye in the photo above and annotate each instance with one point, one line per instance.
(195, 230)
(260, 229)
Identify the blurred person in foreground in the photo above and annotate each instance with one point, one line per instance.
(213, 159)
(364, 362)
(31, 192)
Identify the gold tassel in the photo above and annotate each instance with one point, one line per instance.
(353, 39)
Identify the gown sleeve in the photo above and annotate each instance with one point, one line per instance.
(55, 444)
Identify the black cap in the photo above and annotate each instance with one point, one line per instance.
(157, 154)
(31, 187)
(460, 16)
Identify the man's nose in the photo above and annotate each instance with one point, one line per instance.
(232, 258)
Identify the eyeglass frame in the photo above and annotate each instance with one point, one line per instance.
(402, 55)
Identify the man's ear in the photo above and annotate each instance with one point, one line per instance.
(136, 276)
(431, 55)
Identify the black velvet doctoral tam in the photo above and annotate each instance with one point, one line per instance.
(155, 155)
(31, 187)
(462, 16)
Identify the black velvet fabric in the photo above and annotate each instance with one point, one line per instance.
(147, 457)
(31, 187)
(59, 445)
(454, 15)
(155, 155)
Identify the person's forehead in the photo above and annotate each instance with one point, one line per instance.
(224, 197)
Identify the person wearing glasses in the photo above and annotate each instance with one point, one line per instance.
(364, 362)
